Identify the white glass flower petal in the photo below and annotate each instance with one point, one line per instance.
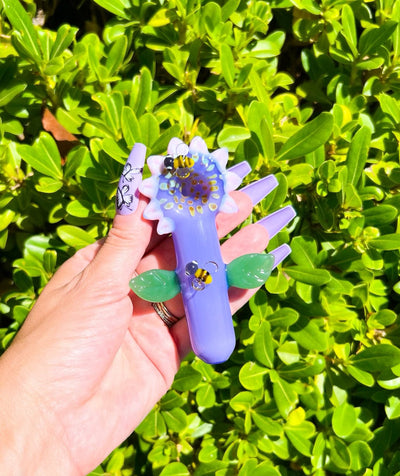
(228, 205)
(232, 181)
(156, 164)
(149, 187)
(197, 144)
(173, 144)
(181, 149)
(221, 156)
(165, 225)
(153, 211)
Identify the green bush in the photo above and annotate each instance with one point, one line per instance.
(308, 90)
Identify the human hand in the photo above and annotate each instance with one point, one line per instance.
(92, 359)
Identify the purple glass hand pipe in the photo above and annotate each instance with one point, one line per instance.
(188, 187)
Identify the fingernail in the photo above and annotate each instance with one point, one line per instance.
(280, 254)
(128, 187)
(241, 169)
(260, 189)
(276, 221)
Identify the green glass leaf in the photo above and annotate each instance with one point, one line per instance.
(249, 271)
(376, 358)
(156, 285)
(308, 138)
(344, 420)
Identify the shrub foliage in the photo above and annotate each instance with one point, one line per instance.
(308, 90)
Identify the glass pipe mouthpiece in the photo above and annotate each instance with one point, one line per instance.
(187, 188)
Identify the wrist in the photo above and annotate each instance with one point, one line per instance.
(31, 444)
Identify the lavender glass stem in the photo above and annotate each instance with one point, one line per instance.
(207, 311)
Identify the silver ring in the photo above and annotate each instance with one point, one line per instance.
(166, 316)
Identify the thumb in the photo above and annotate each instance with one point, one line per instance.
(129, 236)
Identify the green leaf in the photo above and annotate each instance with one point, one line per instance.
(65, 36)
(361, 376)
(315, 277)
(358, 155)
(252, 376)
(285, 397)
(150, 129)
(340, 454)
(372, 39)
(231, 136)
(130, 127)
(392, 407)
(349, 28)
(267, 425)
(205, 396)
(361, 455)
(260, 122)
(306, 333)
(380, 215)
(311, 136)
(22, 22)
(175, 419)
(227, 64)
(117, 7)
(43, 156)
(8, 93)
(74, 236)
(144, 92)
(242, 401)
(390, 106)
(296, 437)
(175, 469)
(304, 251)
(187, 378)
(263, 347)
(386, 242)
(116, 55)
(376, 358)
(284, 317)
(155, 285)
(344, 420)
